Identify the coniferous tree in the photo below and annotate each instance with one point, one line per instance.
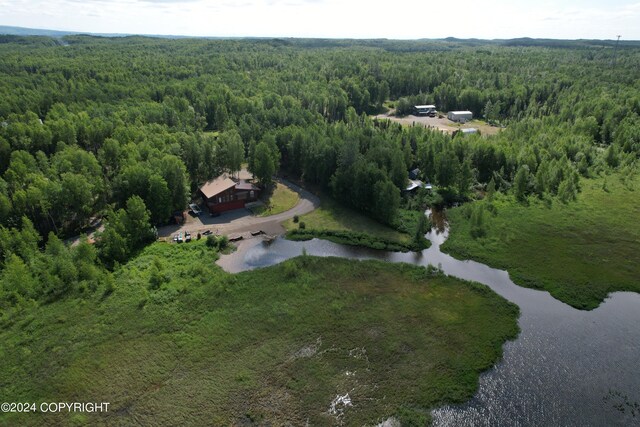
(521, 183)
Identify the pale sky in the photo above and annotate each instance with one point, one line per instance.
(394, 19)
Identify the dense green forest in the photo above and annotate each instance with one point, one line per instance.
(128, 128)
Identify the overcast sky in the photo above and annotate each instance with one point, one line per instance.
(399, 19)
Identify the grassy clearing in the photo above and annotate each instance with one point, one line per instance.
(483, 127)
(273, 346)
(280, 199)
(578, 252)
(338, 223)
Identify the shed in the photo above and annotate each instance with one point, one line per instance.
(460, 116)
(414, 174)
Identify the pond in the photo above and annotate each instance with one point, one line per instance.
(567, 366)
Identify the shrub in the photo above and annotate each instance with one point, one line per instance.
(302, 225)
(211, 241)
(157, 278)
(223, 242)
(110, 286)
(492, 208)
(291, 270)
(478, 227)
(296, 218)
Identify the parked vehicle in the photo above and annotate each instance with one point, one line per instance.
(187, 236)
(180, 239)
(195, 209)
(206, 233)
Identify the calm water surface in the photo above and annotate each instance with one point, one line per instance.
(566, 368)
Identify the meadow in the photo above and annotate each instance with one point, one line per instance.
(340, 224)
(579, 252)
(179, 341)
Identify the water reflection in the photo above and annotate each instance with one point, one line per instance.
(567, 367)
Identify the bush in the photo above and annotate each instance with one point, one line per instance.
(296, 218)
(302, 225)
(156, 279)
(478, 227)
(492, 208)
(412, 417)
(223, 242)
(109, 287)
(211, 241)
(291, 270)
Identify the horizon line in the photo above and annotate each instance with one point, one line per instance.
(108, 34)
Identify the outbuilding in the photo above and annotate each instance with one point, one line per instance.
(424, 110)
(460, 116)
(414, 174)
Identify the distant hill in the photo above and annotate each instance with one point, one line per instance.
(558, 43)
(20, 31)
(327, 42)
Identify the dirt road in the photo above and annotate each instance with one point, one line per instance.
(444, 124)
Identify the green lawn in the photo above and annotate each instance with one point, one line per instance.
(267, 347)
(331, 216)
(578, 252)
(280, 199)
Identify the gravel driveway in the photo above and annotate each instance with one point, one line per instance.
(241, 221)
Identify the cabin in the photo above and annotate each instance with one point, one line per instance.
(424, 110)
(224, 194)
(460, 116)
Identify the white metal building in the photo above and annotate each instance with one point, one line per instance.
(460, 116)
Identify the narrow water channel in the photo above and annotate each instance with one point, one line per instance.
(566, 368)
